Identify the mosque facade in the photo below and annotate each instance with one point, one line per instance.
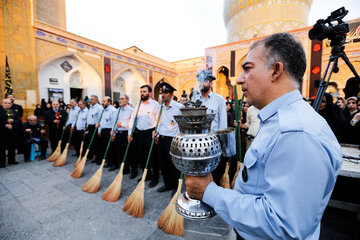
(47, 61)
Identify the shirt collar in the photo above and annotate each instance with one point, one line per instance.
(272, 108)
(209, 96)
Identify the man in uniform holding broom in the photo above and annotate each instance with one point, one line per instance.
(92, 118)
(215, 103)
(167, 130)
(74, 111)
(144, 127)
(122, 133)
(291, 166)
(55, 118)
(104, 128)
(78, 129)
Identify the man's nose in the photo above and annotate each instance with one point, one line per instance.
(241, 79)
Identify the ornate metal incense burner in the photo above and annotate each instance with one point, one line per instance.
(195, 151)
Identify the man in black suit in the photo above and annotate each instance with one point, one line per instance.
(18, 108)
(56, 119)
(33, 133)
(10, 124)
(15, 106)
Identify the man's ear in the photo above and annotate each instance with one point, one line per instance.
(278, 69)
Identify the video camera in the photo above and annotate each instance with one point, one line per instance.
(325, 29)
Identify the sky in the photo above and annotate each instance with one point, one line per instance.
(168, 29)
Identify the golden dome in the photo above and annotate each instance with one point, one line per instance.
(245, 19)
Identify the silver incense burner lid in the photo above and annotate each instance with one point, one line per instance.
(195, 154)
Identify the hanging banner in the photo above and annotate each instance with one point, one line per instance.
(8, 83)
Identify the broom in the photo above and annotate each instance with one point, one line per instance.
(134, 205)
(238, 110)
(92, 186)
(57, 151)
(225, 180)
(80, 167)
(170, 221)
(112, 193)
(61, 160)
(81, 149)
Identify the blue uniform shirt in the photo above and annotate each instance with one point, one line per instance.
(292, 166)
(108, 118)
(94, 114)
(72, 115)
(167, 125)
(215, 104)
(81, 122)
(124, 117)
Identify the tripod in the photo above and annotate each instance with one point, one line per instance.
(337, 50)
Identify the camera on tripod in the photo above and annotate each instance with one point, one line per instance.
(323, 28)
(337, 34)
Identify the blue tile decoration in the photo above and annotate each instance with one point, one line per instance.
(119, 57)
(60, 39)
(129, 60)
(138, 63)
(107, 54)
(80, 45)
(94, 49)
(40, 33)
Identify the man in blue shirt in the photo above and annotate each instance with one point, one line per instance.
(215, 103)
(291, 167)
(106, 125)
(73, 114)
(122, 134)
(93, 117)
(79, 126)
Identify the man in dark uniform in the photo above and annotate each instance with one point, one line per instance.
(18, 108)
(15, 106)
(167, 130)
(9, 128)
(56, 119)
(33, 133)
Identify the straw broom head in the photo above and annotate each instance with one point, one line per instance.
(225, 180)
(61, 160)
(80, 167)
(134, 205)
(239, 165)
(79, 158)
(55, 154)
(92, 186)
(112, 193)
(170, 221)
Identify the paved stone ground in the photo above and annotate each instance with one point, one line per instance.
(40, 201)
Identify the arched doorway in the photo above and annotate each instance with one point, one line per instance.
(128, 82)
(68, 77)
(223, 83)
(157, 88)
